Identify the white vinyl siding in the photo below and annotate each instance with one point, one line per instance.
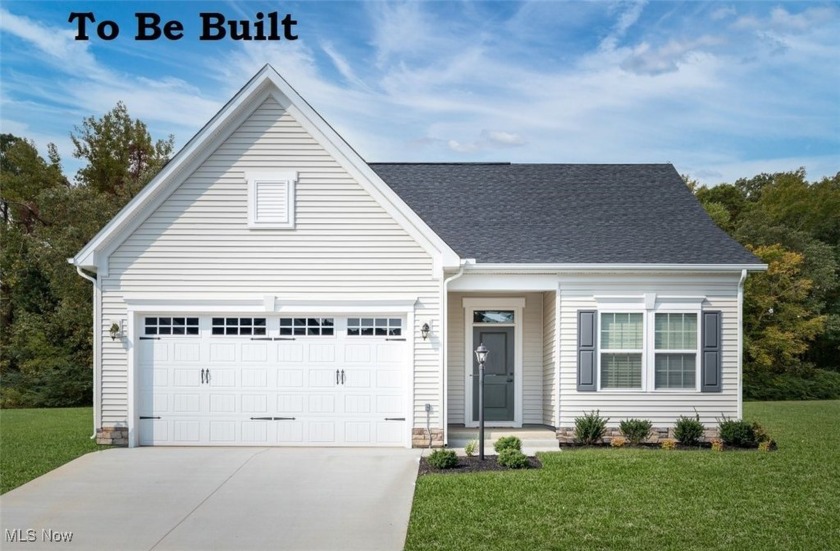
(661, 407)
(198, 242)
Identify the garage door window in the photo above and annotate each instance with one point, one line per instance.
(370, 327)
(239, 326)
(307, 326)
(171, 326)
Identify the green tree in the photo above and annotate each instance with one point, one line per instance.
(779, 321)
(121, 155)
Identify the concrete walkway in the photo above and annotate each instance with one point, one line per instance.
(217, 498)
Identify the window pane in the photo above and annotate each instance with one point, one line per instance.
(676, 331)
(621, 370)
(621, 331)
(493, 316)
(676, 370)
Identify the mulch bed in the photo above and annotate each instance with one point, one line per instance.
(656, 446)
(473, 465)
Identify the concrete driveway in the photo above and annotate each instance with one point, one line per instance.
(217, 498)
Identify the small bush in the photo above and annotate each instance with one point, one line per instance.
(512, 459)
(442, 459)
(618, 442)
(740, 434)
(764, 446)
(507, 443)
(635, 430)
(717, 445)
(760, 433)
(668, 444)
(469, 449)
(688, 431)
(590, 428)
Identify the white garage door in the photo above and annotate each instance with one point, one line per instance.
(246, 380)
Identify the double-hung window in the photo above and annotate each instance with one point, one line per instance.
(653, 348)
(675, 351)
(622, 340)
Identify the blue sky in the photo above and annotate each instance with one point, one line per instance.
(722, 90)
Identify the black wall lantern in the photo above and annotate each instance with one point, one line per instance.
(424, 331)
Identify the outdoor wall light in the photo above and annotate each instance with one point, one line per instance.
(116, 330)
(425, 331)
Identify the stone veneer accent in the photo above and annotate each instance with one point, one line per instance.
(420, 438)
(112, 436)
(567, 435)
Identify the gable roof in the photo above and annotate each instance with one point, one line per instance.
(266, 83)
(564, 213)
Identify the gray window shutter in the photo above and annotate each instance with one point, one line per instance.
(586, 380)
(710, 352)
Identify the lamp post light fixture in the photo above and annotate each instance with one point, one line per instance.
(481, 356)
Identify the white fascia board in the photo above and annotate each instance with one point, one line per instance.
(353, 163)
(94, 256)
(208, 303)
(576, 268)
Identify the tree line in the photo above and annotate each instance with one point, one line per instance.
(791, 312)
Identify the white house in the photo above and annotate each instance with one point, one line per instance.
(270, 287)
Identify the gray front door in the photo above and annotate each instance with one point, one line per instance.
(498, 373)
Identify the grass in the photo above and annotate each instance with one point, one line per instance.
(651, 499)
(36, 441)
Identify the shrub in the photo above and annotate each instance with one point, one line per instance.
(507, 443)
(717, 445)
(764, 446)
(635, 430)
(512, 459)
(688, 431)
(668, 444)
(590, 428)
(760, 433)
(442, 459)
(618, 442)
(469, 449)
(740, 434)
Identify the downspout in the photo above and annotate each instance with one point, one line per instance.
(96, 338)
(741, 344)
(444, 336)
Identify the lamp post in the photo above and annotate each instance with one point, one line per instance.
(481, 355)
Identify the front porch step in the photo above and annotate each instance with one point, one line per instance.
(537, 438)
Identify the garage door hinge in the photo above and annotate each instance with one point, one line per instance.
(395, 339)
(149, 338)
(395, 418)
(147, 417)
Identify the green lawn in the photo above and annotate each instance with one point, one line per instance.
(36, 441)
(651, 499)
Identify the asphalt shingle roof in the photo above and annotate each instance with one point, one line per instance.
(563, 213)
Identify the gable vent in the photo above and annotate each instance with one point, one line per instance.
(271, 200)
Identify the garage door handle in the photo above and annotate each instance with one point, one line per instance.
(395, 418)
(336, 376)
(342, 376)
(148, 417)
(202, 376)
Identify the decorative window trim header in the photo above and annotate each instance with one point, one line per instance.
(286, 179)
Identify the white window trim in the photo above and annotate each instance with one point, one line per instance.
(287, 178)
(649, 305)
